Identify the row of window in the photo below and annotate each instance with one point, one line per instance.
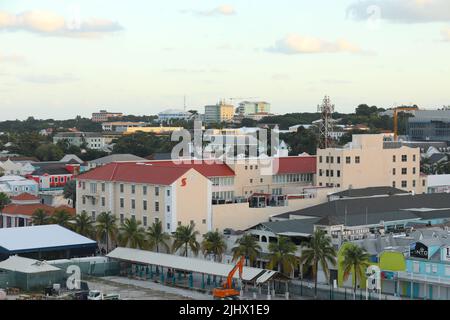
(293, 178)
(226, 181)
(348, 160)
(329, 173)
(93, 189)
(122, 204)
(223, 195)
(404, 184)
(404, 171)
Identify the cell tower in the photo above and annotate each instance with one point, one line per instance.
(326, 124)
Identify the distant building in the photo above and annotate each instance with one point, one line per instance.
(218, 113)
(120, 126)
(250, 108)
(430, 125)
(439, 183)
(54, 175)
(104, 116)
(370, 161)
(154, 130)
(92, 140)
(114, 158)
(174, 114)
(14, 185)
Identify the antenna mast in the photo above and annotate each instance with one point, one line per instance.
(326, 125)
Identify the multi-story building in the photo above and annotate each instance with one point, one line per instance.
(247, 108)
(104, 116)
(178, 193)
(430, 125)
(173, 114)
(370, 161)
(54, 175)
(120, 126)
(218, 113)
(147, 192)
(14, 185)
(92, 140)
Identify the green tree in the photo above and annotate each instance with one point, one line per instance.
(247, 247)
(319, 250)
(214, 244)
(185, 238)
(40, 217)
(49, 152)
(106, 228)
(62, 218)
(157, 237)
(70, 192)
(356, 261)
(131, 234)
(282, 255)
(4, 201)
(84, 225)
(143, 144)
(304, 140)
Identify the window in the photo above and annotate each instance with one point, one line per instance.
(168, 226)
(122, 188)
(414, 170)
(133, 189)
(122, 218)
(144, 205)
(133, 204)
(394, 172)
(103, 201)
(320, 173)
(144, 221)
(156, 220)
(157, 206)
(404, 184)
(122, 203)
(394, 159)
(331, 159)
(84, 200)
(103, 187)
(404, 158)
(261, 180)
(327, 173)
(404, 171)
(434, 268)
(168, 193)
(414, 158)
(93, 187)
(393, 184)
(157, 191)
(348, 160)
(246, 167)
(320, 159)
(144, 190)
(168, 208)
(251, 180)
(338, 173)
(327, 159)
(414, 183)
(423, 183)
(93, 215)
(251, 167)
(204, 221)
(427, 268)
(357, 159)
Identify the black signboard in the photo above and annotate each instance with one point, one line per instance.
(419, 250)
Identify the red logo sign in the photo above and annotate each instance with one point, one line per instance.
(183, 182)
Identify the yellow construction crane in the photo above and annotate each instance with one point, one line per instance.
(396, 113)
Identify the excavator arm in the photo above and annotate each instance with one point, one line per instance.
(239, 266)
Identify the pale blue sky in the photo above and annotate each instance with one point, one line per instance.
(143, 56)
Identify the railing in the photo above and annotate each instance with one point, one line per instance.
(410, 276)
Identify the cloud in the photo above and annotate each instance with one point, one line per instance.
(11, 58)
(401, 11)
(52, 24)
(222, 10)
(296, 44)
(48, 79)
(446, 34)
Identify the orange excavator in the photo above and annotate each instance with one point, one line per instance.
(227, 291)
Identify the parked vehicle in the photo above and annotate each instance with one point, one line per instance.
(98, 295)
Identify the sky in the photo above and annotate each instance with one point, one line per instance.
(60, 59)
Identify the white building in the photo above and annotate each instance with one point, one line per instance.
(120, 126)
(174, 114)
(13, 185)
(438, 183)
(92, 140)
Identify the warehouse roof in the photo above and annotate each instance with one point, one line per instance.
(25, 265)
(190, 264)
(28, 239)
(368, 192)
(117, 158)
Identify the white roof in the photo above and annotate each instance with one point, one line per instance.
(25, 265)
(189, 264)
(36, 237)
(12, 178)
(439, 180)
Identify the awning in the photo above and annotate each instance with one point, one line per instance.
(191, 265)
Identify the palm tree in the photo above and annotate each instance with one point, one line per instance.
(61, 217)
(106, 228)
(131, 234)
(355, 260)
(40, 217)
(318, 250)
(214, 244)
(4, 200)
(282, 255)
(84, 225)
(157, 237)
(247, 247)
(186, 238)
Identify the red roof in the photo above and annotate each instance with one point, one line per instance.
(136, 172)
(204, 167)
(302, 164)
(29, 209)
(24, 197)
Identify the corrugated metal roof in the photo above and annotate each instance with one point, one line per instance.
(25, 265)
(23, 239)
(189, 264)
